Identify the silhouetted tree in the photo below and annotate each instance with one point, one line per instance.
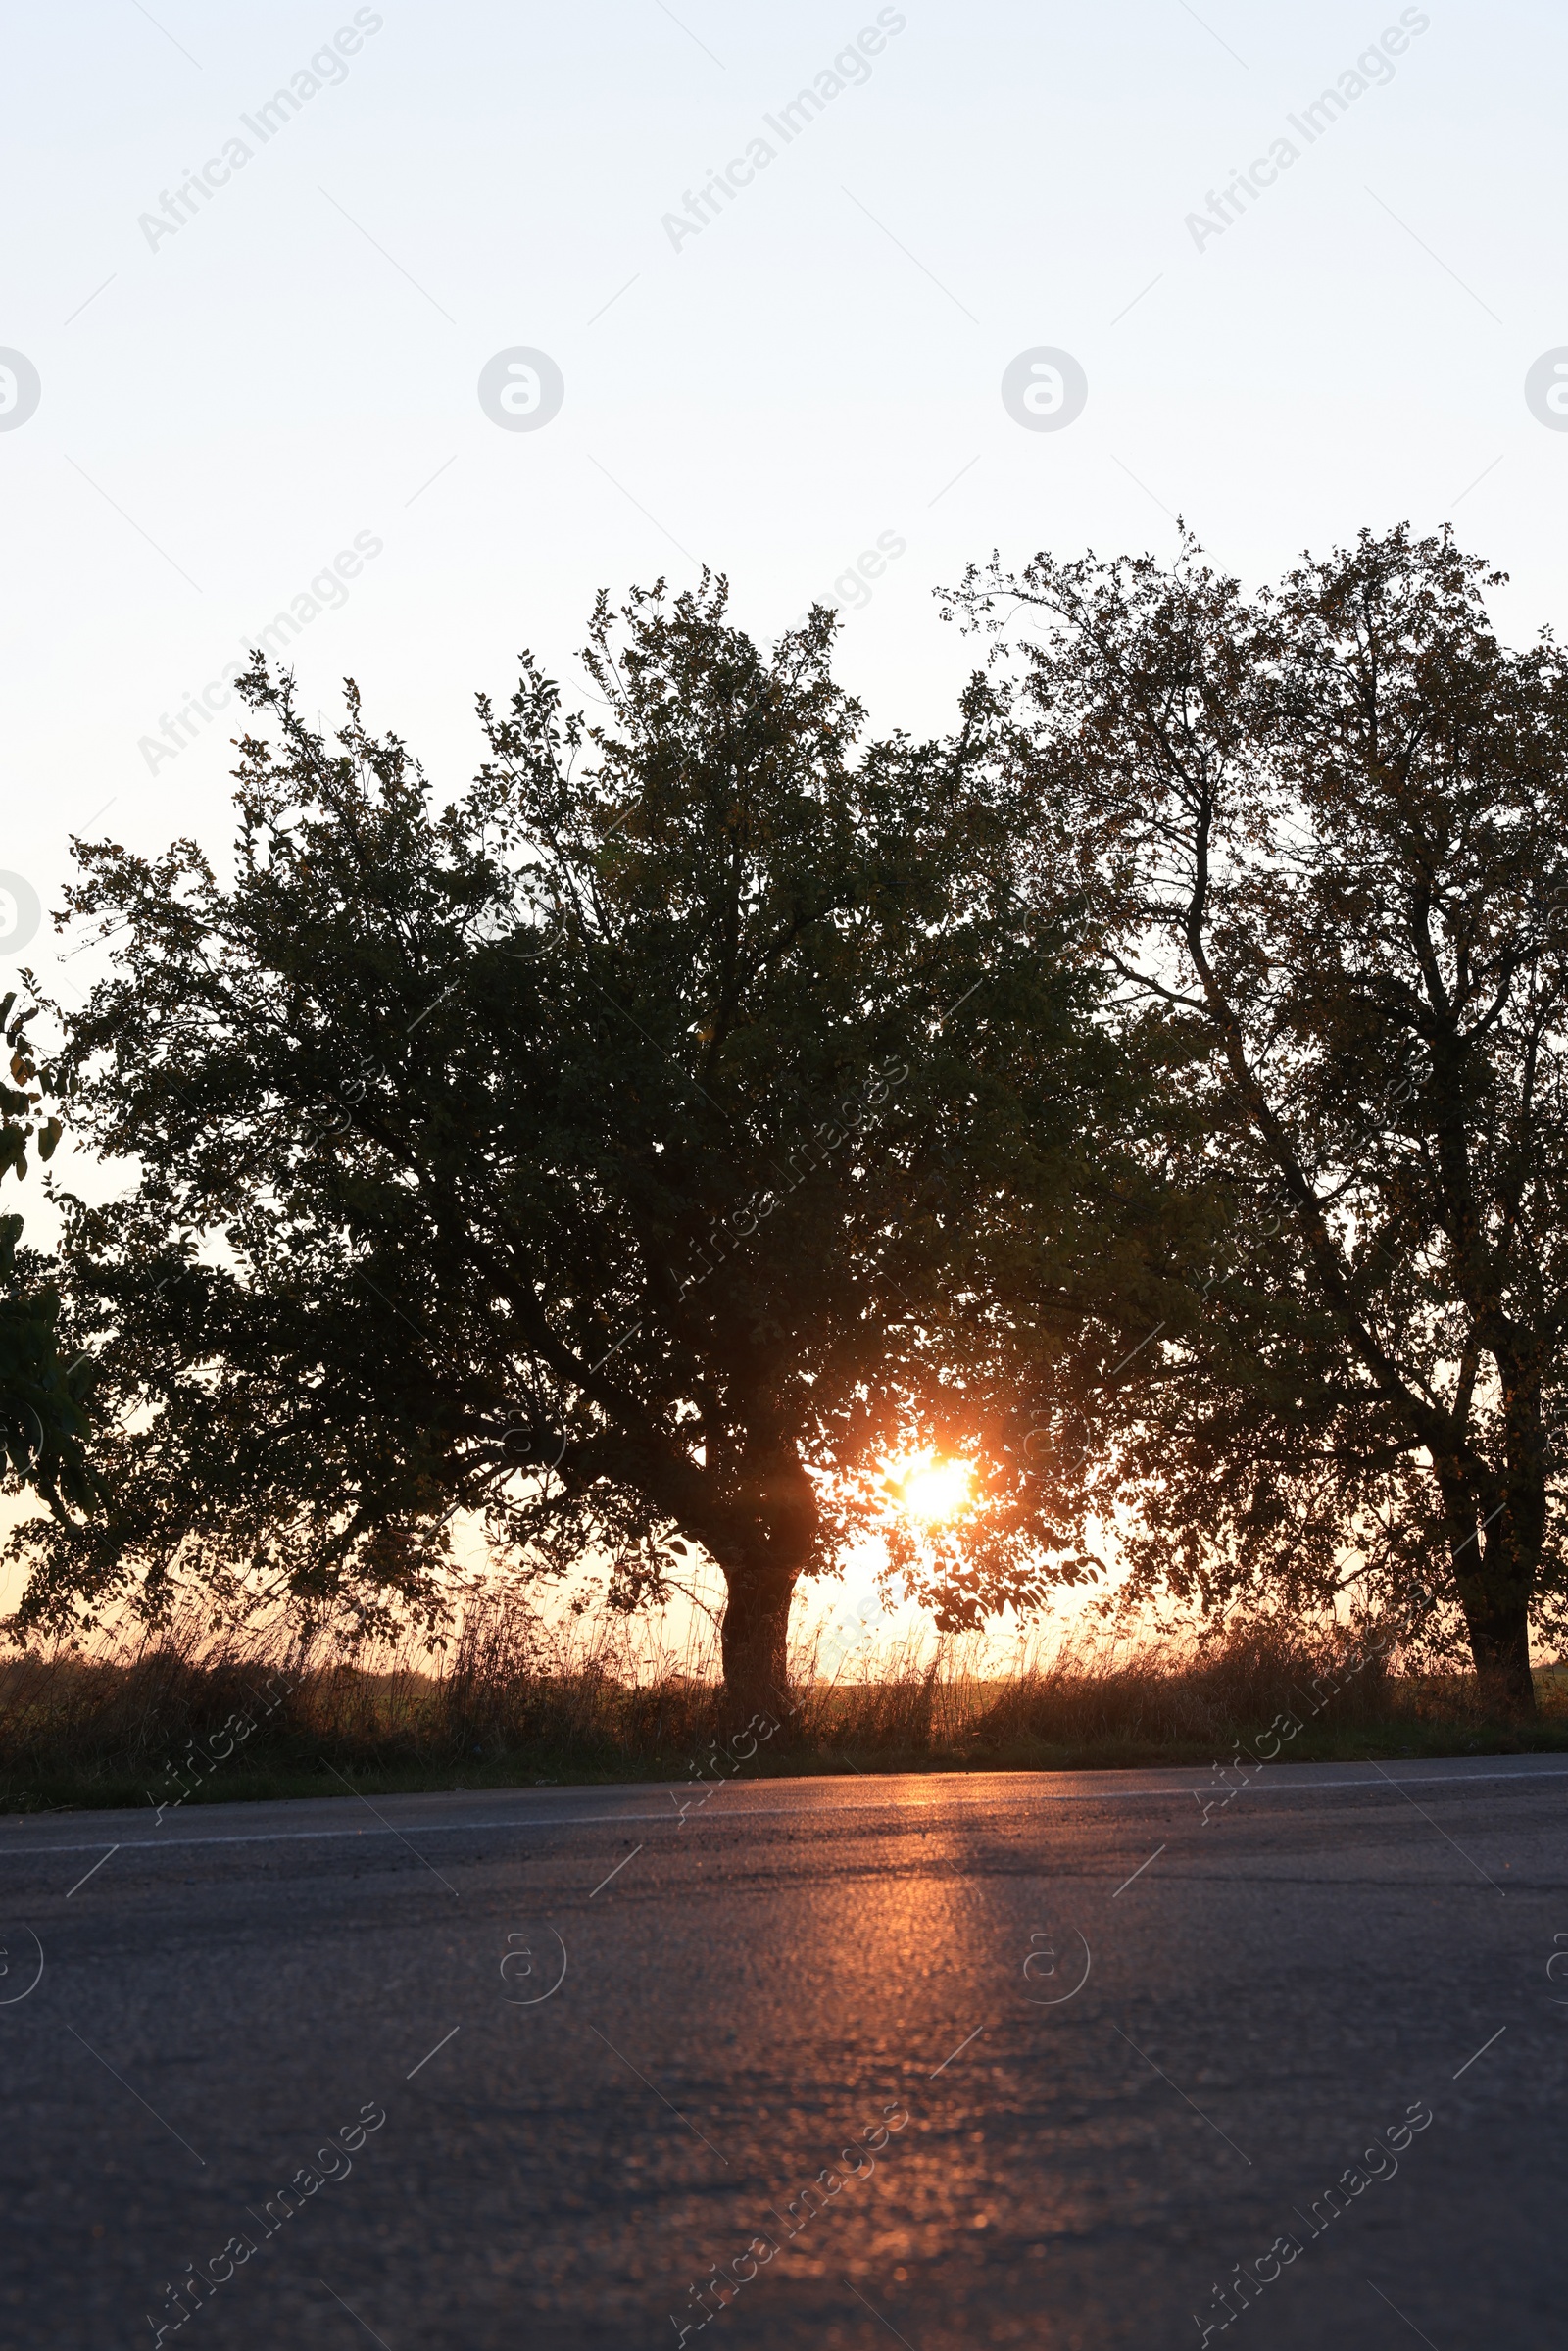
(602, 1155)
(1326, 834)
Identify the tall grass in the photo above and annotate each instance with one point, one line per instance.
(194, 1716)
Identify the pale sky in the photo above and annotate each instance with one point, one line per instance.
(237, 386)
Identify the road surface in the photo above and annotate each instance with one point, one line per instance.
(949, 2061)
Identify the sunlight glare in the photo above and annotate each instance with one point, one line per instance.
(930, 1490)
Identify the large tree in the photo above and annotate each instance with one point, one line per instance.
(1326, 833)
(601, 1154)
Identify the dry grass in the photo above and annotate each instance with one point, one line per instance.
(197, 1718)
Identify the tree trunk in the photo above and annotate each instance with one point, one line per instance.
(753, 1640)
(1497, 1620)
(1494, 1534)
(772, 1523)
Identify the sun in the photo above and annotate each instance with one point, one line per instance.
(929, 1489)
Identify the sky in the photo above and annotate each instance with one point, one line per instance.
(495, 307)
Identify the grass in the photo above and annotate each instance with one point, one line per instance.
(188, 1719)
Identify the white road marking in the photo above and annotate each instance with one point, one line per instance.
(734, 1812)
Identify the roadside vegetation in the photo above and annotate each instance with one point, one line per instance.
(186, 1721)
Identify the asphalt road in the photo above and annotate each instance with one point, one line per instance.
(1058, 2053)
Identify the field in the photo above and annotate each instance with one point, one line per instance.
(191, 1720)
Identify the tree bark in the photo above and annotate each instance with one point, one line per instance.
(762, 1545)
(1494, 1534)
(772, 1528)
(1498, 1619)
(753, 1640)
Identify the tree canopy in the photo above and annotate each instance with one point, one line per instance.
(1326, 834)
(605, 1154)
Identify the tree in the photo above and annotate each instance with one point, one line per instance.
(596, 1155)
(1326, 831)
(44, 1422)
